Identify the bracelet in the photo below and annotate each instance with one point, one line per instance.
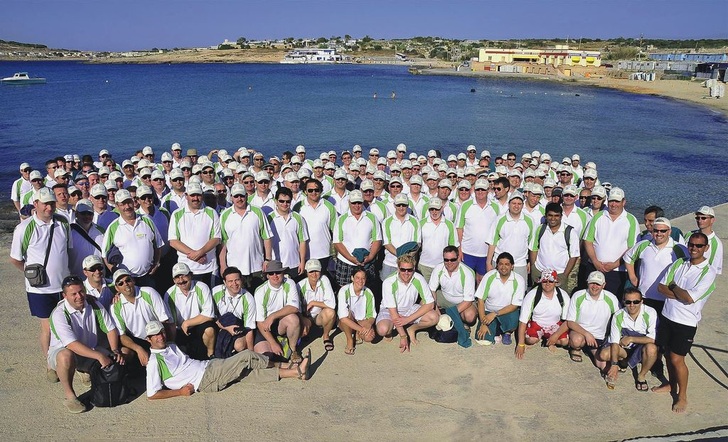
(521, 345)
(614, 362)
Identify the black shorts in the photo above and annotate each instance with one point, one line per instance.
(674, 337)
(192, 344)
(273, 330)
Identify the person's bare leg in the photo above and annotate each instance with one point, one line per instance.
(428, 320)
(284, 372)
(208, 339)
(671, 385)
(291, 327)
(45, 336)
(384, 329)
(649, 356)
(326, 320)
(66, 367)
(469, 315)
(349, 334)
(681, 374)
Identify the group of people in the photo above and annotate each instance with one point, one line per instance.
(207, 269)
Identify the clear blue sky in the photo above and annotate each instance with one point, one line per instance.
(142, 24)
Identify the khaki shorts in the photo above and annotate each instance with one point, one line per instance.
(385, 316)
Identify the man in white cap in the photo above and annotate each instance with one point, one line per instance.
(136, 238)
(647, 261)
(705, 218)
(318, 303)
(511, 232)
(133, 309)
(176, 197)
(398, 229)
(339, 195)
(407, 304)
(371, 203)
(471, 160)
(86, 237)
(103, 213)
(172, 373)
(194, 232)
(42, 239)
(293, 182)
(356, 231)
(95, 282)
(192, 310)
(263, 198)
(83, 333)
(473, 217)
(21, 186)
(588, 318)
(573, 215)
(246, 238)
(437, 232)
(687, 285)
(235, 314)
(417, 199)
(609, 235)
(160, 217)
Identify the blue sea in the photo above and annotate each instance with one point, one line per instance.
(660, 151)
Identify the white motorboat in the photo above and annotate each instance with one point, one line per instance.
(23, 78)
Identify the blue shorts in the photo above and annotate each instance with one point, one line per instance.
(42, 304)
(477, 263)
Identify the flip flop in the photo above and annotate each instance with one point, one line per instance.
(641, 386)
(350, 351)
(328, 345)
(610, 382)
(296, 357)
(304, 375)
(575, 356)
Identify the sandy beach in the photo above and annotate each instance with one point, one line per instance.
(436, 392)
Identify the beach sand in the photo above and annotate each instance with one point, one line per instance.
(436, 392)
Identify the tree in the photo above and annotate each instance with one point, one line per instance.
(241, 41)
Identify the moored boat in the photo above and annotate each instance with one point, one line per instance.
(22, 78)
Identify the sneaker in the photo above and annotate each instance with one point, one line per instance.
(506, 340)
(74, 405)
(498, 339)
(85, 379)
(51, 375)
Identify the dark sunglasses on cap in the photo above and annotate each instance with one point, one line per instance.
(71, 280)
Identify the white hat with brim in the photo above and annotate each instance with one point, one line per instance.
(44, 195)
(596, 277)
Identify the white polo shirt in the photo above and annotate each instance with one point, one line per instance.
(243, 236)
(195, 229)
(136, 242)
(645, 323)
(322, 293)
(417, 207)
(21, 186)
(475, 221)
(359, 306)
(434, 239)
(592, 314)
(242, 304)
(103, 296)
(612, 238)
(30, 241)
(269, 299)
(397, 294)
(69, 325)
(578, 219)
(512, 235)
(341, 203)
(536, 214)
(552, 250)
(397, 232)
(182, 307)
(698, 280)
(172, 201)
(356, 233)
(133, 317)
(653, 264)
(498, 294)
(379, 209)
(265, 203)
(456, 288)
(548, 312)
(173, 369)
(289, 232)
(320, 222)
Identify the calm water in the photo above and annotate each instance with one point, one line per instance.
(659, 150)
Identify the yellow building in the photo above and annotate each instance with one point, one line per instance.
(557, 56)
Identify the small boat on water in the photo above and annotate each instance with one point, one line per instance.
(23, 78)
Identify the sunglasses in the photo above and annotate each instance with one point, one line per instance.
(177, 180)
(407, 269)
(355, 202)
(27, 170)
(635, 302)
(96, 269)
(497, 189)
(248, 182)
(433, 209)
(101, 197)
(158, 179)
(449, 259)
(401, 205)
(313, 190)
(395, 186)
(275, 273)
(284, 201)
(598, 197)
(697, 246)
(463, 190)
(264, 182)
(209, 172)
(701, 218)
(661, 230)
(238, 196)
(123, 282)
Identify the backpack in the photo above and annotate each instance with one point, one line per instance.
(108, 385)
(539, 292)
(567, 238)
(446, 337)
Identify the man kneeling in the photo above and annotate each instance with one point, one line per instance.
(182, 376)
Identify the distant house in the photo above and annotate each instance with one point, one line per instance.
(698, 57)
(556, 56)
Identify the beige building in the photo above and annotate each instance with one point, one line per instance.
(557, 56)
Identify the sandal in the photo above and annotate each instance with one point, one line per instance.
(611, 383)
(350, 351)
(303, 375)
(575, 355)
(641, 385)
(328, 345)
(296, 357)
